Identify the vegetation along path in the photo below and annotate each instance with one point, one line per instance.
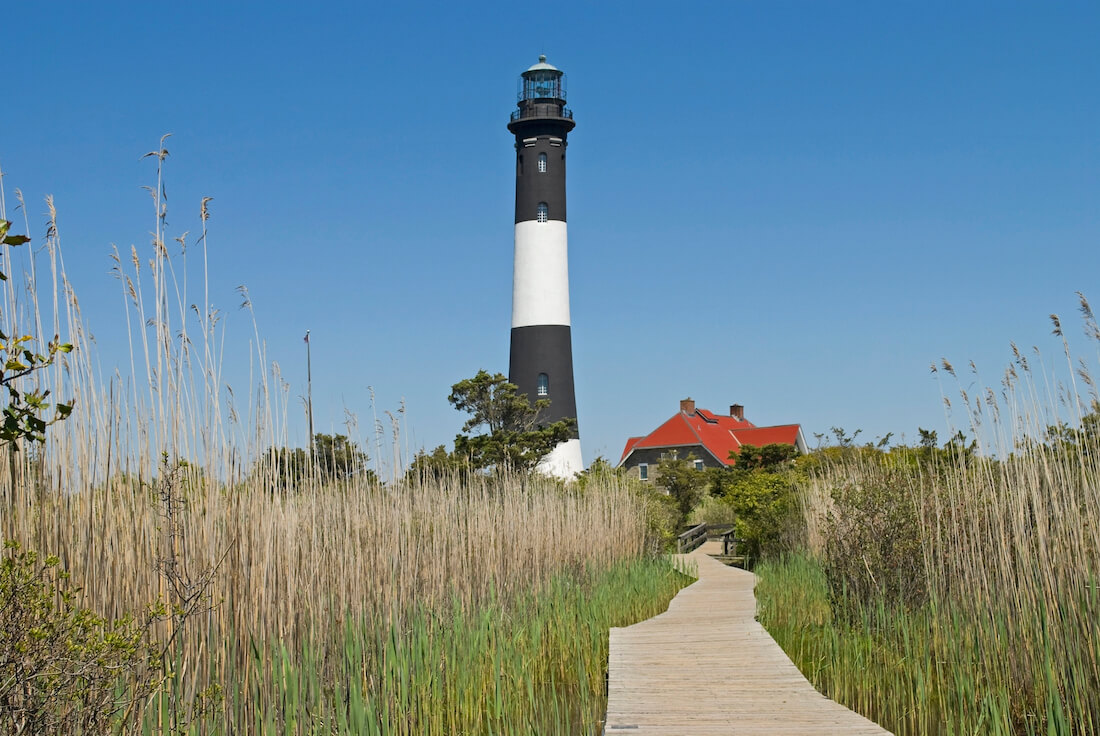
(706, 666)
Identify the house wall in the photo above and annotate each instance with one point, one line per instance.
(652, 457)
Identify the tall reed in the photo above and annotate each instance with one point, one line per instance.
(989, 623)
(159, 480)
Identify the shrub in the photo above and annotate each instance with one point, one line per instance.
(713, 510)
(874, 541)
(62, 664)
(662, 518)
(768, 518)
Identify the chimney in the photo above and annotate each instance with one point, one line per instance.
(687, 406)
(737, 411)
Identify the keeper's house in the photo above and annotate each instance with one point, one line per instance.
(709, 437)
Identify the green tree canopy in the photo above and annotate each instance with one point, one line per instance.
(768, 458)
(1084, 437)
(683, 481)
(764, 502)
(436, 465)
(513, 434)
(335, 458)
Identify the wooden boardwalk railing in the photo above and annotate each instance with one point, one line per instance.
(692, 539)
(706, 667)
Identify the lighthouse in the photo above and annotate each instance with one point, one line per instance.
(541, 357)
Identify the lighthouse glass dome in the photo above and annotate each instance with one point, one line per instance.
(542, 86)
(542, 82)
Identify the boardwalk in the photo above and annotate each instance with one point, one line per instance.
(707, 667)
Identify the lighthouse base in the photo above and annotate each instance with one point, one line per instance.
(564, 461)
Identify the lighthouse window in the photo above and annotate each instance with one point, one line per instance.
(542, 163)
(544, 385)
(543, 212)
(519, 165)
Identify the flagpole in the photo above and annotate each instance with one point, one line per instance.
(309, 394)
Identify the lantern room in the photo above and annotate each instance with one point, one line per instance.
(541, 98)
(542, 81)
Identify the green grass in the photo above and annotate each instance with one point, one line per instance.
(953, 590)
(934, 669)
(536, 664)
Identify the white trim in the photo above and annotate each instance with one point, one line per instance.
(800, 442)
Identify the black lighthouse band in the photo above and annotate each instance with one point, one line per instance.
(540, 176)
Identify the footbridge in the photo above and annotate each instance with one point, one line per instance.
(706, 666)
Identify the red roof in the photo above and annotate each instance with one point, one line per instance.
(630, 442)
(784, 434)
(718, 434)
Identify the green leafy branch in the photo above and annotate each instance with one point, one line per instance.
(22, 417)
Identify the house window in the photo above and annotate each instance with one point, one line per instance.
(542, 163)
(544, 212)
(698, 464)
(643, 471)
(544, 385)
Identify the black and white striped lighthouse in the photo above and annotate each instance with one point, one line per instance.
(541, 359)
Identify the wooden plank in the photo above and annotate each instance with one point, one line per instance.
(705, 667)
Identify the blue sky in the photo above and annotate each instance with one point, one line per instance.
(796, 206)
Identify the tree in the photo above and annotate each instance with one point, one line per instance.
(928, 439)
(765, 506)
(682, 481)
(760, 489)
(957, 448)
(335, 458)
(286, 468)
(515, 435)
(1066, 437)
(22, 416)
(768, 458)
(437, 465)
(598, 470)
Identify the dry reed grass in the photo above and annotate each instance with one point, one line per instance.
(1007, 556)
(289, 568)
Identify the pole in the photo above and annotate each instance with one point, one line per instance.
(309, 394)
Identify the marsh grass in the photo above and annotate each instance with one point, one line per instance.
(347, 607)
(989, 621)
(534, 665)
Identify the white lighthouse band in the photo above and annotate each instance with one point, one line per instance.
(541, 356)
(540, 277)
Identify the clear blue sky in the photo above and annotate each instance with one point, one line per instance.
(796, 206)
